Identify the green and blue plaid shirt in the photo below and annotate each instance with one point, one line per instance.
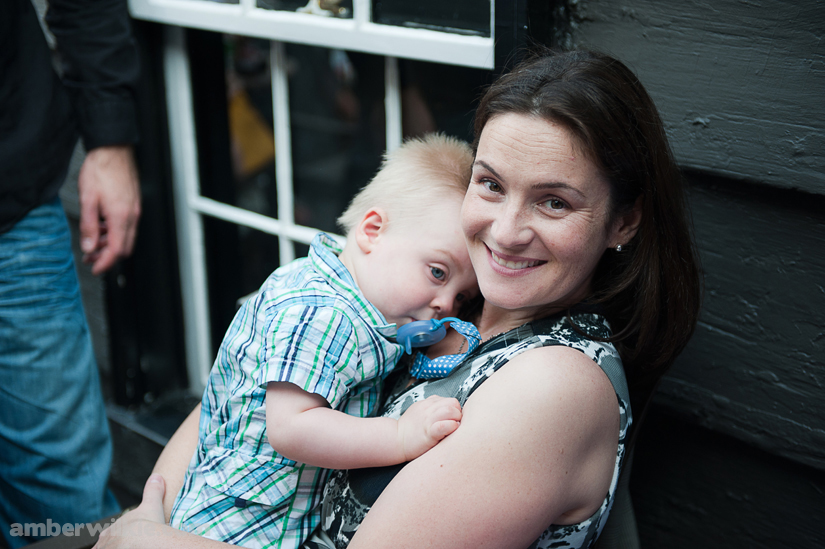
(308, 325)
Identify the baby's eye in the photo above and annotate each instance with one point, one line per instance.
(439, 274)
(492, 186)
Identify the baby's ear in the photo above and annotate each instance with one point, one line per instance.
(370, 229)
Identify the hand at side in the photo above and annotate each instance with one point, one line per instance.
(109, 205)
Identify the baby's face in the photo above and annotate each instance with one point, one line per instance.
(420, 268)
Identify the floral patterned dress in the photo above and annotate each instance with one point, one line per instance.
(349, 494)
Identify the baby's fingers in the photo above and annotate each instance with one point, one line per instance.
(441, 429)
(447, 408)
(445, 418)
(435, 400)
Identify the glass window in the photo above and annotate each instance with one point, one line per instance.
(336, 102)
(336, 135)
(336, 110)
(238, 260)
(437, 97)
(324, 8)
(458, 16)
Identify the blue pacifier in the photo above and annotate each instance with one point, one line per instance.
(422, 333)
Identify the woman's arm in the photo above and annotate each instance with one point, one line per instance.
(537, 445)
(175, 458)
(147, 526)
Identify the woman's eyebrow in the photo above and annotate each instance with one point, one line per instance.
(543, 186)
(487, 167)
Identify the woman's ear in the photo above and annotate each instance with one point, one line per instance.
(628, 224)
(370, 228)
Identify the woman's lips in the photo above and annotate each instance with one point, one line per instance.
(513, 263)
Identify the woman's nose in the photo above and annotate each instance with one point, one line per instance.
(509, 228)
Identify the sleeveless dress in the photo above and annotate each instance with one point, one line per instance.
(349, 494)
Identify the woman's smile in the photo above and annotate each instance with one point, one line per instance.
(513, 263)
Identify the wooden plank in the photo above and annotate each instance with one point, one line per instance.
(755, 368)
(740, 85)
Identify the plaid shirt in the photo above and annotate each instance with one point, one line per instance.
(308, 325)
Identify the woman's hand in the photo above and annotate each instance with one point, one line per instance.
(133, 528)
(145, 527)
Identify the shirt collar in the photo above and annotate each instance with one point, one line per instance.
(323, 253)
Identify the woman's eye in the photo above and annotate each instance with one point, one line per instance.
(492, 186)
(439, 274)
(459, 297)
(555, 204)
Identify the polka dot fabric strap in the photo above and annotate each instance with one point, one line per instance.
(424, 368)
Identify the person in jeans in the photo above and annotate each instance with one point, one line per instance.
(55, 448)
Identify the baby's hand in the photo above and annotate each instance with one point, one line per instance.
(425, 423)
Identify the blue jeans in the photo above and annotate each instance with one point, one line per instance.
(55, 448)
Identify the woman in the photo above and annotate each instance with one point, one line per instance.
(577, 230)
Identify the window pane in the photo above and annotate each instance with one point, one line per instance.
(459, 16)
(238, 260)
(436, 97)
(232, 101)
(336, 103)
(324, 8)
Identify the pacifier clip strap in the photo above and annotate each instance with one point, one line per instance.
(426, 368)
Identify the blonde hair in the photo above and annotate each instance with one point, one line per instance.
(412, 178)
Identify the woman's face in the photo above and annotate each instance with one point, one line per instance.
(536, 216)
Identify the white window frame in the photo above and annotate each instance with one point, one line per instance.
(357, 34)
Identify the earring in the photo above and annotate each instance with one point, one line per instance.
(619, 248)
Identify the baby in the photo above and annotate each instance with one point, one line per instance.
(301, 366)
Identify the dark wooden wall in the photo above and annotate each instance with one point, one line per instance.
(734, 452)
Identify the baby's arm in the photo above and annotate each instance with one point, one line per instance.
(301, 426)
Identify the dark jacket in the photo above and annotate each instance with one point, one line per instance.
(41, 115)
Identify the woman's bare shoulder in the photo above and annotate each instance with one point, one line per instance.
(536, 446)
(557, 369)
(562, 407)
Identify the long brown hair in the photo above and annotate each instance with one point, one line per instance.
(651, 290)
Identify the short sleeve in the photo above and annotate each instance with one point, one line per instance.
(314, 347)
